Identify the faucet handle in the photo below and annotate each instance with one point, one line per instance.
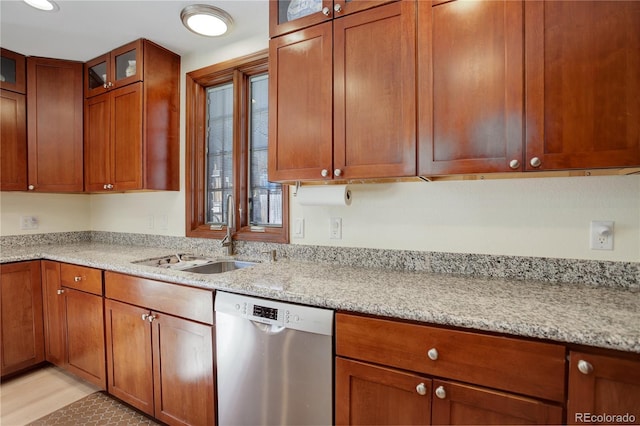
(272, 254)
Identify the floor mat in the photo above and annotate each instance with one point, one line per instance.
(97, 409)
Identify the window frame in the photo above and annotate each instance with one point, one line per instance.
(238, 71)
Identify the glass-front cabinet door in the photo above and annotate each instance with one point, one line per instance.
(118, 68)
(286, 16)
(12, 71)
(290, 15)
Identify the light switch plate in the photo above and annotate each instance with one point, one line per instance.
(336, 228)
(298, 227)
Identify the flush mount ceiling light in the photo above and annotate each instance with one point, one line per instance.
(206, 20)
(46, 5)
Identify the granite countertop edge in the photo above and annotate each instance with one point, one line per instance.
(565, 313)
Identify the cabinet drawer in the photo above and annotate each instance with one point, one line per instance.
(186, 302)
(530, 368)
(81, 278)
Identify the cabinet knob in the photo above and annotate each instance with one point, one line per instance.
(144, 317)
(337, 8)
(31, 187)
(60, 291)
(151, 318)
(440, 392)
(535, 162)
(421, 389)
(337, 172)
(585, 367)
(77, 279)
(326, 11)
(432, 354)
(324, 172)
(514, 164)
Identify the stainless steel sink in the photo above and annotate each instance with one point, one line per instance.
(218, 267)
(195, 264)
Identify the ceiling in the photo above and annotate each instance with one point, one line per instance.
(84, 29)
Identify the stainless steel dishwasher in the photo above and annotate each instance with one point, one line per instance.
(274, 362)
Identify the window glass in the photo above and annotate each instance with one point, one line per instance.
(219, 152)
(265, 198)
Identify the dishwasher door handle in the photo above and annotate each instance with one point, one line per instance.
(268, 328)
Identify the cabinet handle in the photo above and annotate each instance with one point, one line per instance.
(514, 164)
(337, 172)
(144, 317)
(585, 367)
(337, 8)
(60, 291)
(421, 389)
(110, 186)
(77, 279)
(432, 354)
(151, 318)
(31, 187)
(326, 11)
(441, 393)
(109, 85)
(535, 162)
(324, 172)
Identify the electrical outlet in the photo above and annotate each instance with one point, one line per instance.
(28, 222)
(336, 228)
(601, 235)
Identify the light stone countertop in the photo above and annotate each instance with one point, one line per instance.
(572, 313)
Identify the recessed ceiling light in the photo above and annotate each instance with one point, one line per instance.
(46, 5)
(206, 20)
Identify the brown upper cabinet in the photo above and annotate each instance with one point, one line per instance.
(582, 84)
(286, 16)
(470, 60)
(54, 125)
(13, 133)
(115, 69)
(12, 71)
(361, 122)
(131, 123)
(523, 86)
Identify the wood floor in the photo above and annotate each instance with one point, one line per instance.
(28, 397)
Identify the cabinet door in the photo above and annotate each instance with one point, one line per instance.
(601, 385)
(183, 371)
(13, 133)
(12, 69)
(54, 320)
(54, 120)
(129, 362)
(470, 61)
(21, 331)
(300, 105)
(97, 143)
(96, 76)
(582, 85)
(85, 336)
(375, 93)
(372, 395)
(126, 137)
(286, 16)
(461, 404)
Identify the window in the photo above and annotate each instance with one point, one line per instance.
(227, 140)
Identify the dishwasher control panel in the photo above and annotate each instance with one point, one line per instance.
(305, 318)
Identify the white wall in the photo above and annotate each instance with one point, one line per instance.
(529, 217)
(55, 212)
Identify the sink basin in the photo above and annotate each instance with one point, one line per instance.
(218, 267)
(195, 264)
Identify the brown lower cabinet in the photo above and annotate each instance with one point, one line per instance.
(74, 321)
(397, 372)
(21, 332)
(603, 389)
(160, 348)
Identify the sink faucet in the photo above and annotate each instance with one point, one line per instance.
(227, 241)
